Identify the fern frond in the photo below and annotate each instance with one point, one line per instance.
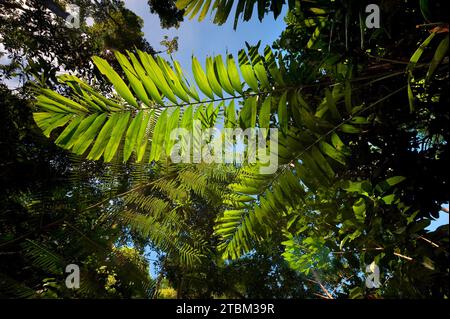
(193, 181)
(164, 236)
(150, 204)
(11, 288)
(43, 257)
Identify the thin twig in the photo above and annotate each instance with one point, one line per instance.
(124, 193)
(429, 241)
(61, 220)
(321, 296)
(355, 250)
(403, 256)
(425, 25)
(322, 286)
(32, 232)
(368, 249)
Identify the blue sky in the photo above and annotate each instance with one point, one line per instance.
(442, 220)
(205, 38)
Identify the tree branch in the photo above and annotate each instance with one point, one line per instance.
(322, 286)
(56, 9)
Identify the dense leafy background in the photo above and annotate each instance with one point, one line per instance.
(363, 149)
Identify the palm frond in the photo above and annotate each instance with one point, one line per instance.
(222, 9)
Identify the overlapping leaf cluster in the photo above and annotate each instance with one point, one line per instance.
(310, 199)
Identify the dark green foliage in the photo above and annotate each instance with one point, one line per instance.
(168, 13)
(35, 42)
(362, 155)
